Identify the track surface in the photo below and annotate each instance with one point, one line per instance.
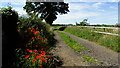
(71, 58)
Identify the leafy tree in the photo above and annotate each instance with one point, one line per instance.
(46, 10)
(84, 22)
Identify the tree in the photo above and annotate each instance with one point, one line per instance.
(84, 22)
(46, 10)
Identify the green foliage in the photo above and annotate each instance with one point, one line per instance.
(105, 40)
(48, 10)
(71, 42)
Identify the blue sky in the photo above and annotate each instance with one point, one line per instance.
(96, 11)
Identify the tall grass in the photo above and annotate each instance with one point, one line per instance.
(101, 39)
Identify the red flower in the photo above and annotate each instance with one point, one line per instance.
(33, 37)
(48, 56)
(37, 57)
(32, 29)
(28, 50)
(40, 61)
(40, 54)
(35, 50)
(36, 53)
(27, 56)
(44, 59)
(38, 36)
(36, 32)
(33, 61)
(36, 45)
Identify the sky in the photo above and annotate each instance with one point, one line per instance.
(96, 11)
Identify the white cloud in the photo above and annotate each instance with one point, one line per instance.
(98, 4)
(19, 10)
(73, 6)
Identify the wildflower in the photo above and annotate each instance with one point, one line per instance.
(35, 50)
(38, 36)
(28, 50)
(36, 32)
(48, 56)
(37, 57)
(33, 37)
(27, 56)
(36, 53)
(41, 61)
(36, 45)
(44, 59)
(33, 61)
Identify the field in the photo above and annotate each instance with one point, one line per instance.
(102, 39)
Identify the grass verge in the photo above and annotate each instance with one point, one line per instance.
(71, 42)
(101, 39)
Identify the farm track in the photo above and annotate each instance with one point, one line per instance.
(70, 58)
(101, 53)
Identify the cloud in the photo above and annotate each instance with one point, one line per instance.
(20, 10)
(98, 4)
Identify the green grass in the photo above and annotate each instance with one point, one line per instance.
(101, 39)
(71, 42)
(90, 59)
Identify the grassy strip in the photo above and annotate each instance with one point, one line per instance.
(90, 59)
(71, 42)
(101, 39)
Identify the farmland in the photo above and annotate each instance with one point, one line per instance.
(102, 39)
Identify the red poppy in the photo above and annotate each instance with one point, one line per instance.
(38, 36)
(33, 61)
(41, 61)
(37, 57)
(36, 53)
(35, 50)
(36, 32)
(33, 37)
(27, 56)
(40, 54)
(44, 59)
(48, 56)
(36, 45)
(28, 50)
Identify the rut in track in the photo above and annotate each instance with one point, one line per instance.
(70, 58)
(105, 55)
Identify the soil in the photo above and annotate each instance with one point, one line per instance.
(105, 56)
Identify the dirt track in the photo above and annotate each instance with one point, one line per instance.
(107, 56)
(71, 58)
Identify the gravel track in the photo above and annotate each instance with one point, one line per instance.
(101, 53)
